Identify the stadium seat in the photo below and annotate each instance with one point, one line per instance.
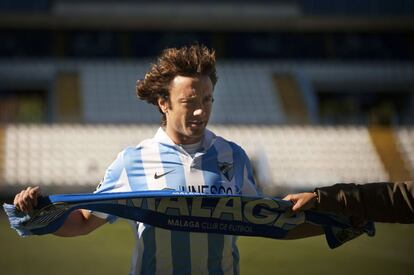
(405, 137)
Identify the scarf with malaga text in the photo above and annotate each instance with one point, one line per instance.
(183, 211)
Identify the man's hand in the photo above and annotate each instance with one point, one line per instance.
(27, 199)
(302, 201)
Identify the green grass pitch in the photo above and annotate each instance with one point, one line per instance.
(108, 251)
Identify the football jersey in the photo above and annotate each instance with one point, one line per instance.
(220, 167)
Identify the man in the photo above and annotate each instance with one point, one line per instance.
(380, 201)
(184, 156)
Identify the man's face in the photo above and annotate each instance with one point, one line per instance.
(188, 108)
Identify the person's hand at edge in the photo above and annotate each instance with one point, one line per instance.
(27, 199)
(302, 201)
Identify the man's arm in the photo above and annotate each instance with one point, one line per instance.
(79, 222)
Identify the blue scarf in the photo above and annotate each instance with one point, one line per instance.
(182, 211)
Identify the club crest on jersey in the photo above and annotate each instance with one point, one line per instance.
(227, 170)
(99, 185)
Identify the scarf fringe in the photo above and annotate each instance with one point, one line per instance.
(17, 219)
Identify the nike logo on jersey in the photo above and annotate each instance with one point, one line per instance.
(156, 176)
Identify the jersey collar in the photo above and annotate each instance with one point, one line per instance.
(162, 137)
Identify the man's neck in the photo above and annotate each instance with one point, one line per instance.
(192, 149)
(180, 139)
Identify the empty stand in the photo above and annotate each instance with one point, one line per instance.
(108, 89)
(244, 94)
(65, 154)
(305, 157)
(246, 110)
(405, 137)
(285, 158)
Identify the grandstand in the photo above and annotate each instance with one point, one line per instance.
(286, 158)
(314, 95)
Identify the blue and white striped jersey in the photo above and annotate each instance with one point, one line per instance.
(221, 167)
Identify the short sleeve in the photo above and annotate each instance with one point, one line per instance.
(115, 180)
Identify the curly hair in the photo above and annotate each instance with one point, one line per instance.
(194, 60)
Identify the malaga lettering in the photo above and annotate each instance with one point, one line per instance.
(256, 211)
(183, 223)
